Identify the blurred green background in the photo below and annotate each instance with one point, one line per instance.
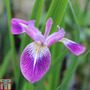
(67, 71)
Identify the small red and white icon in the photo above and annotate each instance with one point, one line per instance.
(5, 84)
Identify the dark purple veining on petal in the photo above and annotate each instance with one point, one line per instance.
(31, 72)
(76, 48)
(73, 47)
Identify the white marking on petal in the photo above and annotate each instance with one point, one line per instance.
(37, 51)
(35, 59)
(23, 25)
(73, 47)
(66, 41)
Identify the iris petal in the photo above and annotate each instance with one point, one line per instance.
(48, 27)
(35, 61)
(56, 36)
(18, 26)
(33, 32)
(73, 47)
(39, 37)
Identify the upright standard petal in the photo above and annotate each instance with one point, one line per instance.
(35, 61)
(18, 26)
(55, 37)
(73, 47)
(48, 27)
(33, 32)
(39, 37)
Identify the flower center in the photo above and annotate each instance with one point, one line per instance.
(39, 47)
(41, 44)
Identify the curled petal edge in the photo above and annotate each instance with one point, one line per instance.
(55, 37)
(18, 26)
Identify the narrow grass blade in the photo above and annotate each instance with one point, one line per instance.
(85, 82)
(36, 13)
(7, 2)
(77, 32)
(74, 61)
(47, 4)
(27, 86)
(86, 6)
(5, 64)
(55, 11)
(70, 74)
(86, 78)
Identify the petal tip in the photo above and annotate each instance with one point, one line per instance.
(50, 20)
(82, 51)
(32, 22)
(58, 27)
(17, 26)
(73, 47)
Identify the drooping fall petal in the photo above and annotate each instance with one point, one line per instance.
(18, 26)
(35, 61)
(73, 47)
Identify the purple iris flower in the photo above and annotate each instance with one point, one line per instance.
(36, 57)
